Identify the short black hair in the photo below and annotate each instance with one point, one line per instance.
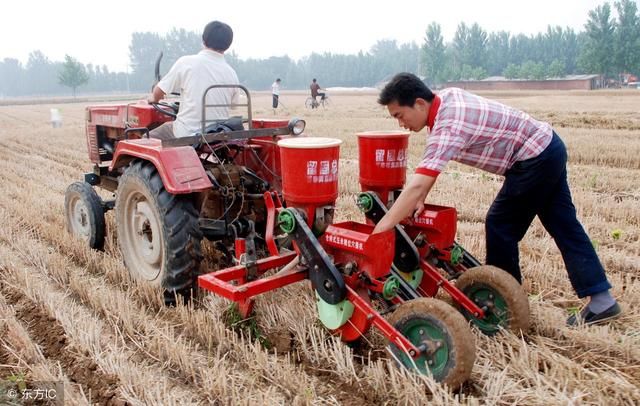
(404, 88)
(217, 36)
(278, 80)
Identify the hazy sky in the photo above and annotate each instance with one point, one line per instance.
(99, 32)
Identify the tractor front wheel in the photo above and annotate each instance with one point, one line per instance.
(84, 214)
(450, 345)
(158, 232)
(501, 297)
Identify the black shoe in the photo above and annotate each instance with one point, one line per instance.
(588, 317)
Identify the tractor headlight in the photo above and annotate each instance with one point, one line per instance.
(296, 126)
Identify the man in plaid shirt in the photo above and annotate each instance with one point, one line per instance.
(532, 158)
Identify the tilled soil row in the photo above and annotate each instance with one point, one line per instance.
(49, 334)
(153, 341)
(23, 363)
(58, 152)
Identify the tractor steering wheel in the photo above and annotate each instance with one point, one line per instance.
(171, 113)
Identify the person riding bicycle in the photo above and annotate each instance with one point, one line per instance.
(315, 92)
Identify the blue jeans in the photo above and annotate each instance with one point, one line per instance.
(538, 186)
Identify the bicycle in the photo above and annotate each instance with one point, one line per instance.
(312, 103)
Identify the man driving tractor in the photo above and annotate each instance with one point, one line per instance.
(190, 76)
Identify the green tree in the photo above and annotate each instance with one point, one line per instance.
(478, 73)
(497, 52)
(433, 54)
(73, 74)
(519, 49)
(571, 49)
(477, 46)
(143, 52)
(532, 70)
(512, 71)
(11, 77)
(42, 78)
(459, 47)
(627, 38)
(538, 71)
(556, 69)
(598, 53)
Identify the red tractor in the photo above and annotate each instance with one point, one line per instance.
(266, 195)
(169, 195)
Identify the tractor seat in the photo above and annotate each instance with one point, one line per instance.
(230, 124)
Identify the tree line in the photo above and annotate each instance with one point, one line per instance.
(609, 45)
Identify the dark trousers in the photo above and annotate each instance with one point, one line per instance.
(275, 101)
(538, 186)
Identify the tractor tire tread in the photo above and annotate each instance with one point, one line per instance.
(181, 232)
(96, 212)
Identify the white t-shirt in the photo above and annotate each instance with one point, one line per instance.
(275, 89)
(190, 76)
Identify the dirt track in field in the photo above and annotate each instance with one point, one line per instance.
(72, 315)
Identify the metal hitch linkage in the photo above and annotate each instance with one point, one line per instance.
(324, 276)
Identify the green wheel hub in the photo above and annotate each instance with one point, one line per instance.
(287, 221)
(365, 202)
(495, 308)
(422, 331)
(390, 288)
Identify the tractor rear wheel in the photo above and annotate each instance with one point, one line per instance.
(84, 214)
(500, 295)
(158, 232)
(451, 349)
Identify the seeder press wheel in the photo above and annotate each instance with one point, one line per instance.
(501, 297)
(450, 344)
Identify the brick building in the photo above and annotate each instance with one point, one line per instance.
(570, 82)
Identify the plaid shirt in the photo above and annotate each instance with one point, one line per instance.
(479, 132)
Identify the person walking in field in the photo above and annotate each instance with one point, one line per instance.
(275, 94)
(488, 135)
(190, 76)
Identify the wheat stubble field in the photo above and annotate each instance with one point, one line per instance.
(72, 315)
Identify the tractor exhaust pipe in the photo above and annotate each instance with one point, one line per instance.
(157, 71)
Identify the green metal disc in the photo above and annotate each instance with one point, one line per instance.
(390, 288)
(287, 221)
(365, 202)
(418, 330)
(496, 316)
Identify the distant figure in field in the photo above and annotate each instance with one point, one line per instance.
(190, 76)
(315, 92)
(275, 93)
